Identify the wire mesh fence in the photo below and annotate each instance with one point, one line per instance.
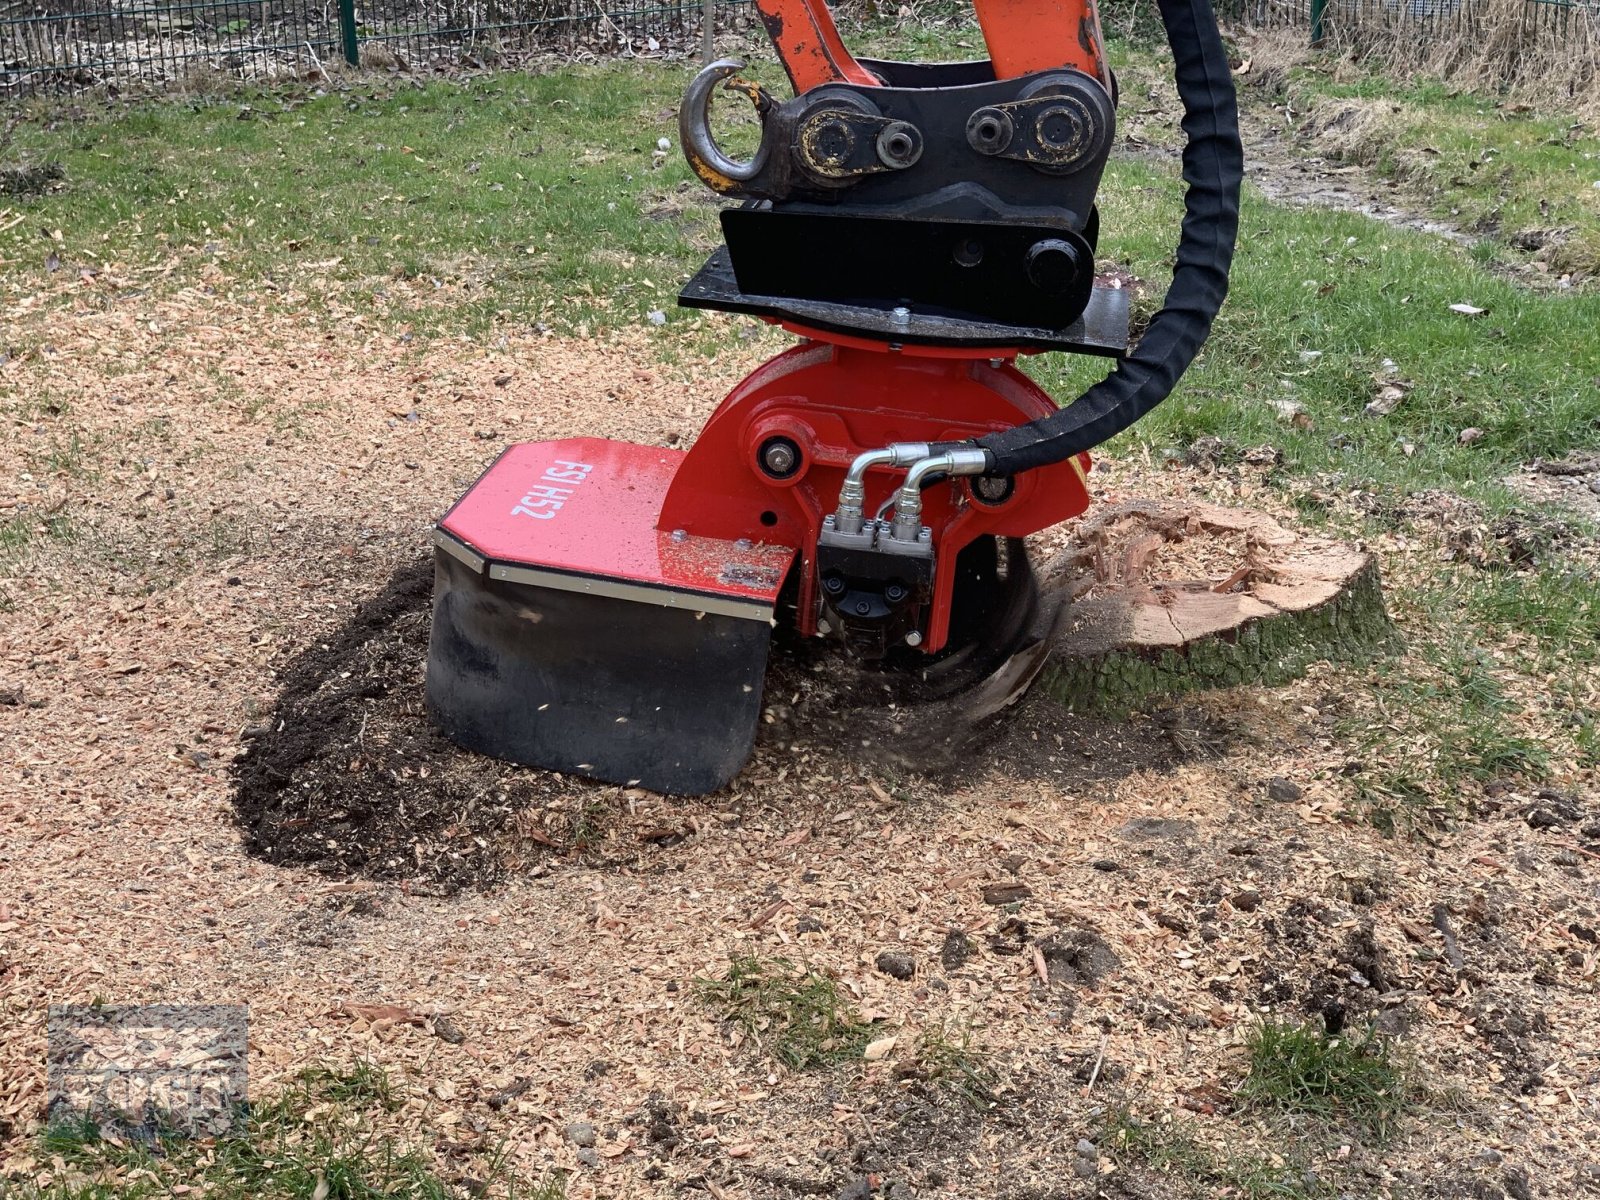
(1421, 19)
(62, 46)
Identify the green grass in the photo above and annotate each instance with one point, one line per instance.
(20, 531)
(1299, 1069)
(956, 1065)
(313, 1138)
(795, 1013)
(1557, 607)
(1519, 179)
(536, 196)
(1496, 687)
(1172, 1149)
(1319, 301)
(539, 198)
(1446, 722)
(1345, 1085)
(362, 1085)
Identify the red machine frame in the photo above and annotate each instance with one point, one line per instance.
(836, 397)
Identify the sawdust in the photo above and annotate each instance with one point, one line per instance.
(206, 489)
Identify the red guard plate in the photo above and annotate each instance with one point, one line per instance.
(580, 515)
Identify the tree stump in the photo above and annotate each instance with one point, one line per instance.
(1171, 597)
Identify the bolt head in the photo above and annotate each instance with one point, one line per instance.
(779, 458)
(992, 488)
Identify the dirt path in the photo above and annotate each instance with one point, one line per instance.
(243, 480)
(1278, 163)
(1285, 166)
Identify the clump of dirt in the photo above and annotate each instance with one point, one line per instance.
(30, 179)
(1331, 977)
(1078, 957)
(348, 776)
(1214, 454)
(1513, 1032)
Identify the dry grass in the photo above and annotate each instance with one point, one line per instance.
(1272, 55)
(1517, 48)
(1366, 132)
(1490, 130)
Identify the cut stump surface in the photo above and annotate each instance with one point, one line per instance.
(1171, 597)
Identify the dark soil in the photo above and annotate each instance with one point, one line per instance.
(349, 777)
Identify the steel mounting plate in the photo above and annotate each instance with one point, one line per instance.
(1102, 330)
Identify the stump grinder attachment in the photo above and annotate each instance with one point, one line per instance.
(605, 608)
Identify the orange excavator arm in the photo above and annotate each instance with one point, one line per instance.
(1023, 36)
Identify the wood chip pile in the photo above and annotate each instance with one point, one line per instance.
(208, 486)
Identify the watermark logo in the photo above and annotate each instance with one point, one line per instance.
(148, 1070)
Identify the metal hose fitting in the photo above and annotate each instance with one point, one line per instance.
(907, 523)
(850, 516)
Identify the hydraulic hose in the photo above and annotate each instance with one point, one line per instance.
(1213, 165)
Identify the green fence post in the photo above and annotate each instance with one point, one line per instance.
(347, 32)
(1318, 7)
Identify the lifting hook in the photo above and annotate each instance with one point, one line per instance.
(716, 170)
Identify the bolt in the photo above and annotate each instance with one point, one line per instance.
(894, 593)
(779, 458)
(989, 131)
(992, 488)
(901, 315)
(679, 535)
(898, 145)
(913, 638)
(1053, 265)
(833, 584)
(968, 252)
(863, 608)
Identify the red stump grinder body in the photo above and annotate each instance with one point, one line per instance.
(606, 609)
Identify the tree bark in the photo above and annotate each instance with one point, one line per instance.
(1172, 597)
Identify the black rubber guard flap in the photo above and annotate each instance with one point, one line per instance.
(1213, 164)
